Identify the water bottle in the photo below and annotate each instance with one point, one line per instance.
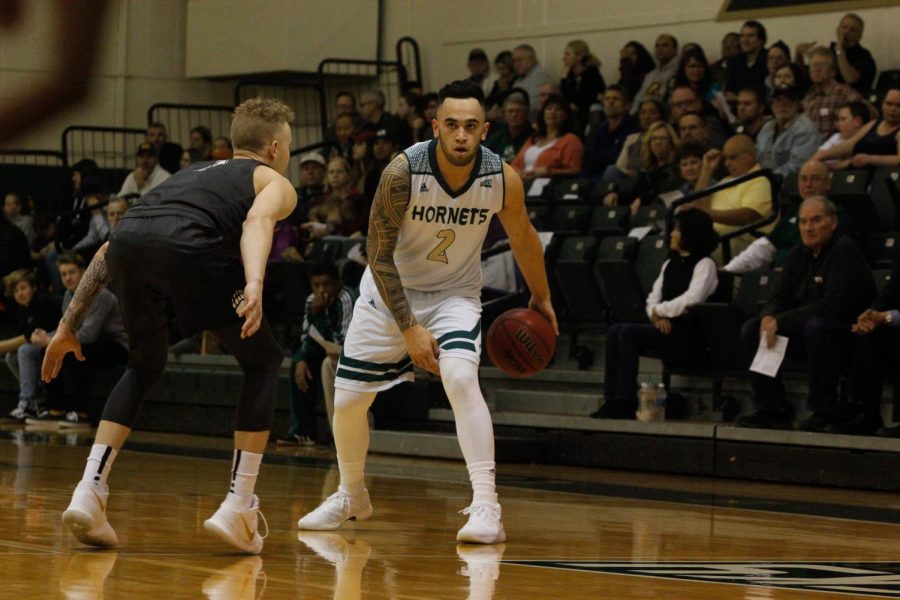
(646, 402)
(661, 396)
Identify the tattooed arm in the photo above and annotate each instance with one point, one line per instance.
(65, 339)
(388, 207)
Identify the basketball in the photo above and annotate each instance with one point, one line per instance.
(521, 342)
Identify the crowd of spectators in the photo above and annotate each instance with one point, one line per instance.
(675, 121)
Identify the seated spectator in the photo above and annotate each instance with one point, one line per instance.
(692, 128)
(312, 186)
(344, 130)
(685, 100)
(777, 56)
(98, 227)
(553, 149)
(480, 70)
(363, 160)
(168, 153)
(634, 64)
(340, 212)
(384, 147)
(738, 205)
(693, 71)
(502, 85)
(770, 251)
(407, 113)
(826, 283)
(17, 208)
(222, 148)
(749, 68)
(690, 164)
(344, 104)
(629, 161)
(825, 96)
(14, 250)
(530, 75)
(604, 143)
(581, 84)
(147, 175)
(328, 310)
(45, 238)
(731, 48)
(788, 140)
(371, 108)
(850, 119)
(103, 340)
(876, 354)
(658, 172)
(751, 112)
(423, 130)
(877, 143)
(509, 136)
(686, 279)
(792, 75)
(200, 146)
(552, 89)
(38, 314)
(855, 64)
(656, 82)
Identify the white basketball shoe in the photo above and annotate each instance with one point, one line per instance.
(336, 510)
(86, 574)
(237, 581)
(237, 525)
(485, 525)
(86, 516)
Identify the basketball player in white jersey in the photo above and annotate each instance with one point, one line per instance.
(419, 302)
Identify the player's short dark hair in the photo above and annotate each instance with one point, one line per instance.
(324, 268)
(70, 257)
(461, 88)
(256, 122)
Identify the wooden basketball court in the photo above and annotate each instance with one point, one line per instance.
(573, 533)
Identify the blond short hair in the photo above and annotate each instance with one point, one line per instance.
(256, 122)
(15, 278)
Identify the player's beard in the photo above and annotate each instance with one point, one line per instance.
(453, 158)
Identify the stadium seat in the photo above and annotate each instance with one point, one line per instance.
(609, 221)
(625, 285)
(789, 189)
(544, 197)
(653, 215)
(541, 216)
(583, 298)
(327, 249)
(599, 191)
(575, 218)
(652, 253)
(882, 278)
(850, 190)
(572, 191)
(882, 248)
(618, 248)
(886, 198)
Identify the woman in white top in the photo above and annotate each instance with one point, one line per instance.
(687, 278)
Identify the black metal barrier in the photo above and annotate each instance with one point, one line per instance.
(109, 147)
(40, 174)
(408, 56)
(179, 119)
(300, 94)
(725, 240)
(358, 76)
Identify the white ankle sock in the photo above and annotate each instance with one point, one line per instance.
(482, 476)
(244, 470)
(98, 465)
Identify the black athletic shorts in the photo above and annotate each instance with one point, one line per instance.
(153, 259)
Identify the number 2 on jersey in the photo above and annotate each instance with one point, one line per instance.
(439, 254)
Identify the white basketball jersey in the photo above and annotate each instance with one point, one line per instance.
(439, 246)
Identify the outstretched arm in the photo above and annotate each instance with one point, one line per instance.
(275, 200)
(526, 246)
(65, 340)
(388, 207)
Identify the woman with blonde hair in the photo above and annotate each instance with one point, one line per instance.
(339, 213)
(659, 168)
(581, 81)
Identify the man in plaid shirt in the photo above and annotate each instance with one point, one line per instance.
(328, 312)
(827, 95)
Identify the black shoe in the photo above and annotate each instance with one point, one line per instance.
(817, 423)
(614, 410)
(768, 419)
(858, 424)
(891, 432)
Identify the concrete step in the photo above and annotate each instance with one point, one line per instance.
(509, 449)
(557, 402)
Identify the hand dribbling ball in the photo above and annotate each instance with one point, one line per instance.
(521, 342)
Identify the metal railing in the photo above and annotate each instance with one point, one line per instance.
(41, 174)
(109, 147)
(725, 240)
(300, 94)
(179, 119)
(408, 56)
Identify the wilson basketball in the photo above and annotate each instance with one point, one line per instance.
(521, 342)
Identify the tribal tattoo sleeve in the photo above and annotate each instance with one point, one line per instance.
(92, 283)
(388, 208)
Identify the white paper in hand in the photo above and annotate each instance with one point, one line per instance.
(768, 360)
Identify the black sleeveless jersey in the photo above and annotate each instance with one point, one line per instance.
(215, 194)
